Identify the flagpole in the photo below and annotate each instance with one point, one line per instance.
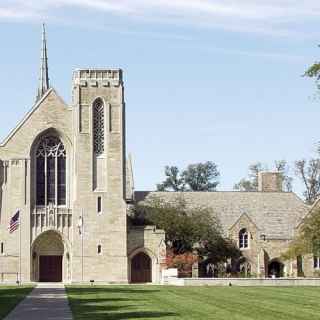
(20, 227)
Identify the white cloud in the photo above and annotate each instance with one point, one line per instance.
(11, 13)
(271, 16)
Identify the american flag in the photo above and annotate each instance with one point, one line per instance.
(14, 222)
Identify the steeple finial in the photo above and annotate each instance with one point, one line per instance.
(44, 75)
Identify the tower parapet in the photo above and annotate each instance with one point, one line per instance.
(97, 77)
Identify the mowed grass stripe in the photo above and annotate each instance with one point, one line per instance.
(170, 301)
(10, 296)
(251, 302)
(223, 303)
(284, 302)
(217, 303)
(205, 303)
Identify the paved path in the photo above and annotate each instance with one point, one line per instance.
(46, 301)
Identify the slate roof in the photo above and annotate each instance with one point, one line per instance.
(276, 214)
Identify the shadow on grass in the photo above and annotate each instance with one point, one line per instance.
(107, 290)
(10, 297)
(113, 303)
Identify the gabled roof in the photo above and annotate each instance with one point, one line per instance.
(242, 216)
(28, 115)
(276, 214)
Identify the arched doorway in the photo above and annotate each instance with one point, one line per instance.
(47, 257)
(141, 266)
(275, 269)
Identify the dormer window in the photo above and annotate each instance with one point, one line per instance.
(243, 239)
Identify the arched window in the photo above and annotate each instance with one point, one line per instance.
(98, 127)
(316, 262)
(51, 172)
(243, 239)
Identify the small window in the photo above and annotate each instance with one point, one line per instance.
(99, 249)
(99, 205)
(2, 248)
(243, 239)
(316, 262)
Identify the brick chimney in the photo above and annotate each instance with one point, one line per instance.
(270, 181)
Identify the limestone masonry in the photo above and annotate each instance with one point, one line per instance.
(64, 170)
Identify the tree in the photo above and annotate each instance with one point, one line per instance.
(282, 167)
(173, 182)
(188, 229)
(196, 177)
(193, 234)
(202, 176)
(314, 72)
(251, 183)
(309, 173)
(184, 227)
(307, 240)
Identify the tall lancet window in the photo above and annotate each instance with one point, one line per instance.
(51, 172)
(98, 127)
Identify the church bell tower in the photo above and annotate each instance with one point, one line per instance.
(99, 157)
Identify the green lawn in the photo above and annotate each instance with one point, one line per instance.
(218, 303)
(10, 297)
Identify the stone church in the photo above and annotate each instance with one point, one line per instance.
(64, 169)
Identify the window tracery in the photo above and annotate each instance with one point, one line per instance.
(51, 172)
(98, 127)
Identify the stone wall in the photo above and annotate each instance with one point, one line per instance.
(18, 183)
(243, 282)
(107, 228)
(150, 241)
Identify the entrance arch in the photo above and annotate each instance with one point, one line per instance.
(48, 251)
(141, 268)
(275, 268)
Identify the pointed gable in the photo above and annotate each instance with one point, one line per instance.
(49, 112)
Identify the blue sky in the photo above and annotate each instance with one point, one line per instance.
(205, 80)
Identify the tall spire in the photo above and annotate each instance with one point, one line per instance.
(44, 74)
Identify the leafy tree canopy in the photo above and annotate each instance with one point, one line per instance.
(187, 229)
(196, 177)
(308, 239)
(174, 180)
(314, 72)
